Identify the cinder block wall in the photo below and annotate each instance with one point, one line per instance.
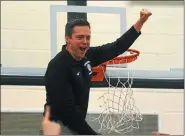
(162, 36)
(25, 29)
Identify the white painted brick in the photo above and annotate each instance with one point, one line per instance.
(20, 97)
(30, 5)
(159, 7)
(145, 62)
(30, 40)
(13, 58)
(170, 61)
(6, 39)
(25, 20)
(160, 25)
(165, 19)
(103, 38)
(157, 62)
(159, 43)
(108, 3)
(178, 60)
(39, 59)
(27, 14)
(104, 22)
(25, 58)
(26, 33)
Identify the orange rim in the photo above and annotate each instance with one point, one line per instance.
(98, 71)
(124, 59)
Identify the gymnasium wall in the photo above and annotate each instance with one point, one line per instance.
(25, 29)
(26, 23)
(25, 42)
(162, 36)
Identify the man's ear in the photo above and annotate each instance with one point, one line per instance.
(67, 39)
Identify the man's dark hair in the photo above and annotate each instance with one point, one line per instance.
(76, 22)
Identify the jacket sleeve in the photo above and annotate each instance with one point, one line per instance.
(100, 54)
(61, 100)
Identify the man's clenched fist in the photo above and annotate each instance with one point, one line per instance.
(144, 14)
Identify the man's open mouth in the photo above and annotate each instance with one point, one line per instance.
(82, 49)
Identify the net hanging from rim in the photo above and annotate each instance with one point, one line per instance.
(118, 111)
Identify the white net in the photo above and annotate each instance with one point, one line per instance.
(118, 111)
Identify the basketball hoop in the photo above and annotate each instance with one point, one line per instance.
(118, 111)
(98, 71)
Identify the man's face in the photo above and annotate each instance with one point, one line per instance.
(79, 43)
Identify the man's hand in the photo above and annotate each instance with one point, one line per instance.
(50, 127)
(144, 15)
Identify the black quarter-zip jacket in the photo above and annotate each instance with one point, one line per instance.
(67, 81)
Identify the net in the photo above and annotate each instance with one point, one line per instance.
(119, 113)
